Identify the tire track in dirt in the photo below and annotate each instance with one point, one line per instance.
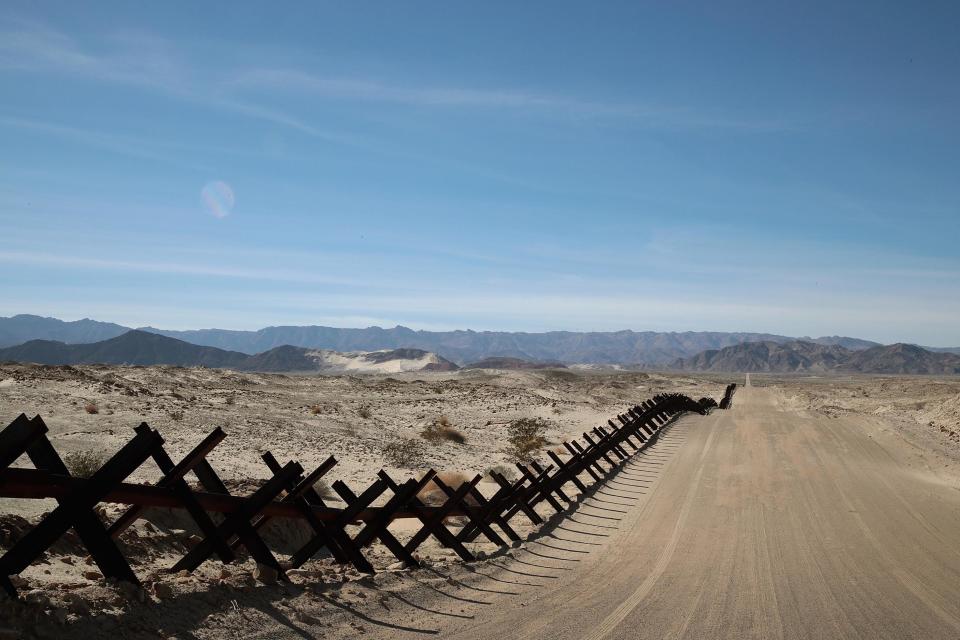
(612, 620)
(931, 600)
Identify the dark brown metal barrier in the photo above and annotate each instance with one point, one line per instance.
(288, 493)
(727, 399)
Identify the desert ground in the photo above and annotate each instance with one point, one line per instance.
(814, 508)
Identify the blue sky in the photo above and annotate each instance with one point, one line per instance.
(519, 166)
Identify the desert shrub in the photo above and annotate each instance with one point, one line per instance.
(454, 436)
(176, 416)
(525, 437)
(560, 375)
(432, 494)
(508, 472)
(83, 464)
(316, 409)
(91, 408)
(441, 429)
(404, 452)
(364, 412)
(322, 487)
(230, 400)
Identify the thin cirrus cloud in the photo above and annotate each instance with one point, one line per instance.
(136, 60)
(171, 268)
(142, 60)
(376, 91)
(369, 90)
(152, 63)
(131, 146)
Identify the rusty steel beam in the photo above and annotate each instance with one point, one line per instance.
(33, 484)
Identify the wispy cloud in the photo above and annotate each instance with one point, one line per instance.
(139, 60)
(172, 268)
(125, 145)
(132, 59)
(491, 98)
(369, 90)
(148, 62)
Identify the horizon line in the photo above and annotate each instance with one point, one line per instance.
(469, 330)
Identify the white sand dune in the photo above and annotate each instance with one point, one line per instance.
(364, 362)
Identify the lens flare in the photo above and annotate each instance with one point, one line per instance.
(218, 198)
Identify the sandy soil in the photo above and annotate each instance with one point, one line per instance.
(768, 523)
(815, 508)
(308, 418)
(924, 410)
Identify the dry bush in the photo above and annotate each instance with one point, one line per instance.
(91, 408)
(176, 416)
(364, 412)
(316, 409)
(322, 487)
(230, 400)
(83, 464)
(525, 437)
(508, 472)
(404, 453)
(434, 495)
(441, 429)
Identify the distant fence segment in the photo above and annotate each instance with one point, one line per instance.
(727, 399)
(290, 493)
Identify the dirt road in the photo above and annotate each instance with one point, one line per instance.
(758, 522)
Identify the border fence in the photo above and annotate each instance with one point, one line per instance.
(290, 493)
(727, 399)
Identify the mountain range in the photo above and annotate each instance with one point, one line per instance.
(22, 328)
(144, 348)
(465, 346)
(645, 348)
(617, 347)
(807, 357)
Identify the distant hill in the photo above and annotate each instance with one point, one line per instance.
(902, 358)
(954, 350)
(512, 363)
(854, 344)
(767, 356)
(133, 347)
(144, 348)
(808, 357)
(280, 359)
(23, 328)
